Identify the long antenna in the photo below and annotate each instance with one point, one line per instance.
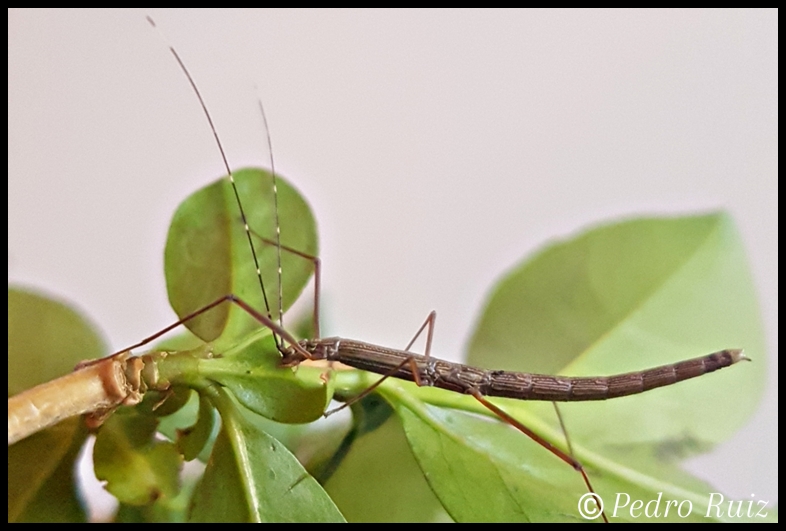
(276, 219)
(246, 228)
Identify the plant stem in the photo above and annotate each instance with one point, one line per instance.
(96, 388)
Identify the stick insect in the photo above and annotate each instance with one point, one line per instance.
(427, 371)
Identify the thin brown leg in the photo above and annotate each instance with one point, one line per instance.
(235, 300)
(569, 459)
(430, 322)
(564, 429)
(371, 387)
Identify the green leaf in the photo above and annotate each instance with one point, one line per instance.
(368, 415)
(208, 255)
(483, 470)
(251, 477)
(627, 297)
(46, 339)
(41, 475)
(623, 297)
(191, 441)
(379, 480)
(138, 469)
(251, 372)
(175, 510)
(171, 420)
(193, 427)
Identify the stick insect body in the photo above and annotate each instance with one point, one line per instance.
(425, 370)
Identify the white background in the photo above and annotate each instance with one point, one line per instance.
(436, 148)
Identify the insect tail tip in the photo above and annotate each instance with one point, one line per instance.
(738, 355)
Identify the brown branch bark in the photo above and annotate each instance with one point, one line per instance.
(96, 387)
